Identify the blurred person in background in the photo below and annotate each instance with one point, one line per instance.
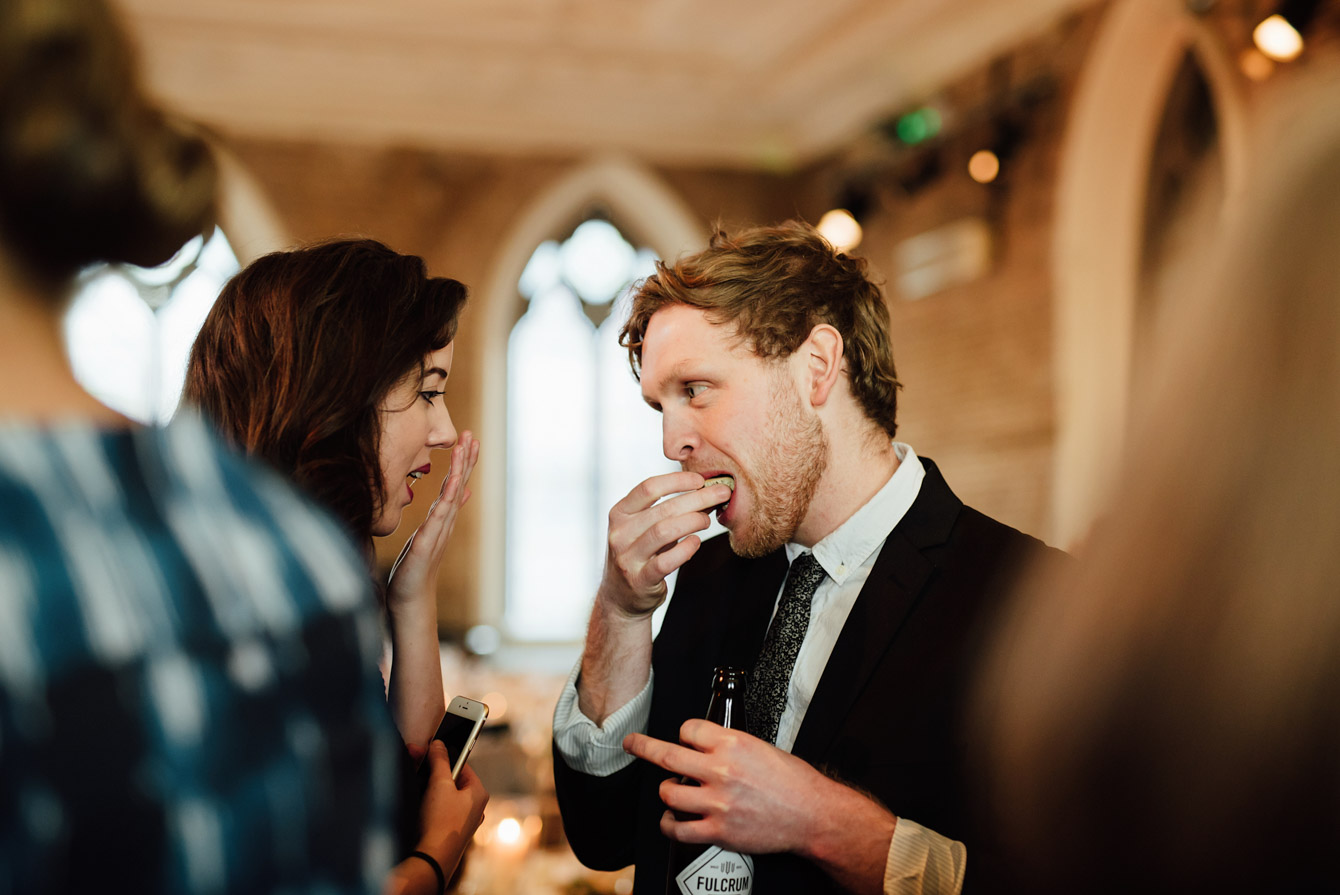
(1165, 717)
(188, 698)
(768, 356)
(329, 363)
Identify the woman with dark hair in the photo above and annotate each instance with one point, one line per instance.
(329, 362)
(187, 698)
(302, 349)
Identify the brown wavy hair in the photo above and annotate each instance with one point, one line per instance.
(299, 352)
(774, 285)
(90, 170)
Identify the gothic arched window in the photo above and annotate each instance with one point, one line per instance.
(129, 330)
(579, 436)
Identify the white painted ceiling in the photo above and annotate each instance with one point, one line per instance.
(750, 83)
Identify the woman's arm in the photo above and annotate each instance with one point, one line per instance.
(415, 690)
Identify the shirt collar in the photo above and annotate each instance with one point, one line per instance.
(848, 546)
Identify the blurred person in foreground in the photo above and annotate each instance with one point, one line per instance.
(186, 691)
(188, 694)
(329, 362)
(1165, 716)
(769, 359)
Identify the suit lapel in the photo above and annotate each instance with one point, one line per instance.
(896, 582)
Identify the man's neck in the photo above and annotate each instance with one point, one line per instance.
(857, 469)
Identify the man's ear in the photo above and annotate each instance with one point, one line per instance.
(824, 362)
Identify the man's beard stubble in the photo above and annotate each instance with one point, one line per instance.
(793, 457)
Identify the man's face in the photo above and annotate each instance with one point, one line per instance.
(726, 411)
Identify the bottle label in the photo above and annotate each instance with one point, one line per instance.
(717, 871)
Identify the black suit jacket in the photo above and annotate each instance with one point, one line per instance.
(887, 713)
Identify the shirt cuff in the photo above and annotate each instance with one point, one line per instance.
(922, 862)
(597, 749)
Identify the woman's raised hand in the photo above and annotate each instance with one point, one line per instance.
(414, 574)
(415, 685)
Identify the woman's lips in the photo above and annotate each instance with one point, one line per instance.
(414, 476)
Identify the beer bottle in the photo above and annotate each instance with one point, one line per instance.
(710, 869)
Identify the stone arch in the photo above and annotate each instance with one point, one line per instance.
(638, 200)
(247, 216)
(1105, 163)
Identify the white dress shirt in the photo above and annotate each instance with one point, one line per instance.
(920, 860)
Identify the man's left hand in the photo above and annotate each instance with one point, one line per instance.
(752, 797)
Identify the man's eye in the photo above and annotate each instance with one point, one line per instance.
(695, 390)
(429, 396)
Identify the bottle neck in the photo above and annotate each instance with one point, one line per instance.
(727, 704)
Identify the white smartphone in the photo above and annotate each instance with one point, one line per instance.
(459, 729)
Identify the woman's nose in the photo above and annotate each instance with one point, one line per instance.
(443, 433)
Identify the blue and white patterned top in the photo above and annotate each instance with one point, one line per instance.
(189, 700)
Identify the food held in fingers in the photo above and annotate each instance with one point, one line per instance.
(728, 481)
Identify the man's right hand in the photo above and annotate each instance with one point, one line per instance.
(649, 538)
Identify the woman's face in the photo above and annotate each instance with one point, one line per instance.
(415, 422)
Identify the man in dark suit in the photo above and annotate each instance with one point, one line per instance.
(854, 587)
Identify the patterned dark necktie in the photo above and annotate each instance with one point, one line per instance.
(772, 671)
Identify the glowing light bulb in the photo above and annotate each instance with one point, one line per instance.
(1278, 39)
(984, 166)
(840, 229)
(509, 831)
(1255, 64)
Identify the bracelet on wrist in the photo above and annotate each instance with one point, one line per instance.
(437, 869)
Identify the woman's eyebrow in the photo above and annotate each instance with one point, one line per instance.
(438, 370)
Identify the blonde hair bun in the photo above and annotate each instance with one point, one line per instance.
(90, 169)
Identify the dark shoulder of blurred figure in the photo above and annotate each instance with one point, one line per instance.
(189, 699)
(1166, 716)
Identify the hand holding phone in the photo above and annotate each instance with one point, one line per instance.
(458, 731)
(450, 811)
